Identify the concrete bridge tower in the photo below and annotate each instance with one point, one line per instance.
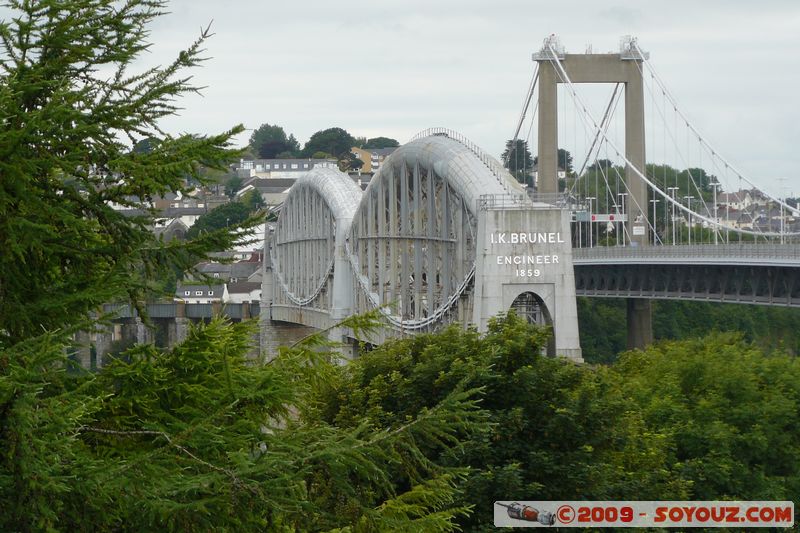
(626, 68)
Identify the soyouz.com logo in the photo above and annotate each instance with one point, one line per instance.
(745, 514)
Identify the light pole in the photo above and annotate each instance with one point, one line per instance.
(622, 199)
(689, 200)
(716, 228)
(672, 194)
(616, 222)
(783, 201)
(590, 198)
(654, 202)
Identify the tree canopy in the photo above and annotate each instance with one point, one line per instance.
(419, 434)
(233, 185)
(697, 419)
(269, 142)
(146, 145)
(564, 160)
(196, 437)
(517, 159)
(70, 95)
(381, 142)
(220, 218)
(334, 141)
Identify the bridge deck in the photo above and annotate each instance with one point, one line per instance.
(724, 254)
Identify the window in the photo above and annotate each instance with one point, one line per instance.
(305, 165)
(284, 166)
(294, 165)
(187, 293)
(216, 274)
(211, 293)
(198, 293)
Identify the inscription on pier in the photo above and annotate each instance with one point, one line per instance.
(521, 257)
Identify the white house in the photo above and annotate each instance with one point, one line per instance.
(738, 200)
(279, 168)
(243, 291)
(201, 294)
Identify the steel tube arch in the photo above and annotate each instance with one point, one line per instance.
(303, 249)
(412, 242)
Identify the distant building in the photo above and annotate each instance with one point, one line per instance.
(201, 294)
(272, 190)
(372, 157)
(279, 168)
(220, 271)
(738, 200)
(169, 229)
(244, 291)
(240, 271)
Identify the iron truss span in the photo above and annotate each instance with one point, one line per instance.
(413, 239)
(304, 243)
(748, 273)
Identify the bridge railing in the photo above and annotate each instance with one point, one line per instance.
(526, 201)
(499, 171)
(731, 252)
(191, 310)
(502, 201)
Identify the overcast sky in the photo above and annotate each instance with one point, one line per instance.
(393, 68)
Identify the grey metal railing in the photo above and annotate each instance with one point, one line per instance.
(503, 201)
(191, 310)
(498, 170)
(731, 252)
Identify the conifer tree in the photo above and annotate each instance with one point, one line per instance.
(72, 107)
(191, 439)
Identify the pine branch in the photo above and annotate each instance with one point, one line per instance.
(129, 433)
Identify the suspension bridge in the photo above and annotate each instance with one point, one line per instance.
(445, 233)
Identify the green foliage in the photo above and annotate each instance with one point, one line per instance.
(220, 219)
(253, 201)
(146, 145)
(604, 181)
(729, 411)
(603, 328)
(603, 324)
(232, 186)
(380, 142)
(563, 160)
(70, 95)
(195, 438)
(601, 164)
(517, 159)
(555, 430)
(350, 162)
(713, 418)
(199, 437)
(335, 141)
(268, 141)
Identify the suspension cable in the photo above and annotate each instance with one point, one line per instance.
(700, 137)
(589, 119)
